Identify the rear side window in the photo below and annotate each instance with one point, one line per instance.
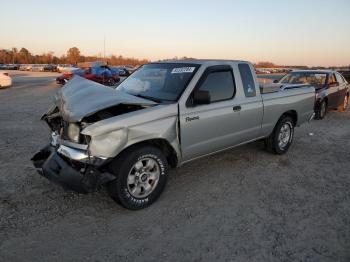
(247, 80)
(340, 79)
(220, 85)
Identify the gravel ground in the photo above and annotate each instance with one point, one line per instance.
(241, 205)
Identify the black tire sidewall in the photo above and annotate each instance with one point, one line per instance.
(319, 113)
(119, 188)
(276, 134)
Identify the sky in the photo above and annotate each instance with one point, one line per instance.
(299, 32)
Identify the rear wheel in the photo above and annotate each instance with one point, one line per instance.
(345, 104)
(141, 175)
(282, 136)
(321, 110)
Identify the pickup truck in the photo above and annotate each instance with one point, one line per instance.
(163, 115)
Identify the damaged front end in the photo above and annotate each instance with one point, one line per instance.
(69, 174)
(68, 162)
(68, 159)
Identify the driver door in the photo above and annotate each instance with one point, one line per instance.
(333, 91)
(210, 127)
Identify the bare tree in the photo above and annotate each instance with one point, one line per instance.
(73, 55)
(14, 55)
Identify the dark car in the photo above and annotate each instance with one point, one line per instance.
(332, 90)
(346, 74)
(50, 68)
(124, 72)
(9, 66)
(95, 71)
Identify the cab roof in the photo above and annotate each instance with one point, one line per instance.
(199, 61)
(323, 71)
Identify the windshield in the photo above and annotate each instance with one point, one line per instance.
(312, 78)
(159, 82)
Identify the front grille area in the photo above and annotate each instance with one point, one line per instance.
(59, 126)
(64, 130)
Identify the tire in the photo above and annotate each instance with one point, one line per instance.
(282, 136)
(321, 110)
(137, 187)
(345, 103)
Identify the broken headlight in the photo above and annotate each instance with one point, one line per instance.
(73, 132)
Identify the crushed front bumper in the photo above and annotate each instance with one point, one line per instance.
(81, 178)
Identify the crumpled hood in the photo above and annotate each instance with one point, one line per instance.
(80, 98)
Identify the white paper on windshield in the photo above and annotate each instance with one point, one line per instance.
(182, 70)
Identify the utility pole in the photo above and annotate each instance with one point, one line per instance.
(104, 47)
(13, 55)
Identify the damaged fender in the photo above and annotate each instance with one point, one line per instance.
(111, 136)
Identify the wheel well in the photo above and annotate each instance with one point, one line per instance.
(320, 100)
(161, 144)
(293, 114)
(326, 100)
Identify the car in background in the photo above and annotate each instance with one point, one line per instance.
(332, 90)
(23, 67)
(29, 67)
(122, 71)
(5, 79)
(346, 74)
(37, 68)
(262, 71)
(95, 71)
(50, 68)
(64, 67)
(9, 66)
(13, 67)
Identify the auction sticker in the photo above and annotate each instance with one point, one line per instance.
(181, 70)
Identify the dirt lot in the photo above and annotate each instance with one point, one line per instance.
(241, 205)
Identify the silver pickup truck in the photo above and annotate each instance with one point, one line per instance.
(163, 115)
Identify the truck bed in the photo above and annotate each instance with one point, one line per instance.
(277, 99)
(276, 87)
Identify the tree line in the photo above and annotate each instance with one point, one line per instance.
(72, 56)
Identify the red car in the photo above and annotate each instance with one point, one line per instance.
(94, 71)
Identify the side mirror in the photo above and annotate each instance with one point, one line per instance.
(201, 97)
(275, 81)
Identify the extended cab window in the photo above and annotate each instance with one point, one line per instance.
(247, 80)
(339, 78)
(220, 85)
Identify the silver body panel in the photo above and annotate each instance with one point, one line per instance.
(193, 131)
(80, 98)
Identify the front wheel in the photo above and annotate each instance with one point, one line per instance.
(321, 110)
(282, 136)
(141, 175)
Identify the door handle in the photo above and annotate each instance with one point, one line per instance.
(237, 108)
